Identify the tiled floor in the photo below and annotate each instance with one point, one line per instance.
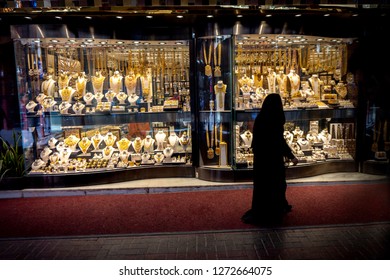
(349, 242)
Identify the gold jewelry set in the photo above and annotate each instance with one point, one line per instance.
(207, 55)
(253, 62)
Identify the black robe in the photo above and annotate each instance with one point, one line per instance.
(269, 174)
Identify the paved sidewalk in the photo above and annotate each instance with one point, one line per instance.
(344, 242)
(179, 185)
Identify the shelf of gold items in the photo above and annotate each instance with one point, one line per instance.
(106, 119)
(214, 103)
(103, 105)
(319, 97)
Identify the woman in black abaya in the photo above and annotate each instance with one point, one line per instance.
(269, 177)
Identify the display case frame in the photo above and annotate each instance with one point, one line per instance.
(325, 58)
(214, 95)
(161, 72)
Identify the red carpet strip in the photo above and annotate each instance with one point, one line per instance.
(187, 211)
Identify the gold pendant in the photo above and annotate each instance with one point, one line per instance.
(207, 70)
(210, 153)
(217, 151)
(217, 71)
(374, 147)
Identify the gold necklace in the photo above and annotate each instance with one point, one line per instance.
(386, 136)
(217, 149)
(97, 81)
(185, 138)
(137, 145)
(96, 139)
(71, 140)
(210, 151)
(63, 81)
(123, 144)
(107, 150)
(148, 143)
(109, 139)
(375, 139)
(217, 61)
(46, 85)
(84, 144)
(207, 59)
(66, 94)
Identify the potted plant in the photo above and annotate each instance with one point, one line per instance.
(11, 159)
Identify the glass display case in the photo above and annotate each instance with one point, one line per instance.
(377, 139)
(91, 106)
(312, 78)
(214, 97)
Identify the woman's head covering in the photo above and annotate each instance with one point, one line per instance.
(272, 109)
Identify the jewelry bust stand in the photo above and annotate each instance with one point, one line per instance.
(38, 164)
(110, 95)
(324, 136)
(81, 85)
(298, 133)
(288, 136)
(124, 156)
(54, 158)
(173, 140)
(48, 103)
(184, 141)
(84, 145)
(271, 81)
(88, 98)
(65, 154)
(148, 144)
(71, 141)
(295, 82)
(245, 80)
(137, 145)
(281, 80)
(247, 138)
(64, 107)
(316, 85)
(160, 139)
(97, 82)
(96, 140)
(220, 92)
(45, 153)
(168, 152)
(123, 144)
(109, 139)
(341, 90)
(145, 158)
(78, 108)
(52, 142)
(133, 98)
(121, 97)
(116, 82)
(304, 144)
(99, 96)
(30, 106)
(158, 158)
(63, 80)
(48, 86)
(107, 152)
(40, 98)
(130, 83)
(66, 94)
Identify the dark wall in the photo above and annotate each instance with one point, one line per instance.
(9, 108)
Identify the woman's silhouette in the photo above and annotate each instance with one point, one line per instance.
(270, 150)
